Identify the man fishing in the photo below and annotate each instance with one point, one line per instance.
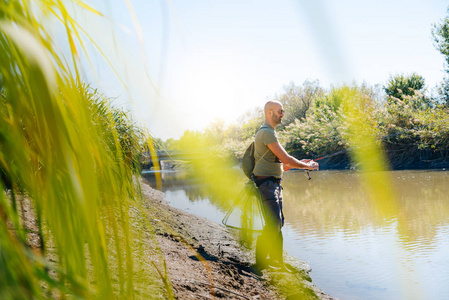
(270, 157)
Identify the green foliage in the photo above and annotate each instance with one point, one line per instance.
(331, 100)
(405, 125)
(250, 122)
(325, 129)
(216, 132)
(401, 86)
(297, 100)
(318, 134)
(68, 157)
(116, 123)
(440, 33)
(443, 91)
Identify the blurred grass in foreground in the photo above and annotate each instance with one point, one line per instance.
(366, 150)
(367, 153)
(67, 158)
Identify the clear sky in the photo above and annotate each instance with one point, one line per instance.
(190, 62)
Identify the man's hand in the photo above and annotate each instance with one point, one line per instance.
(312, 164)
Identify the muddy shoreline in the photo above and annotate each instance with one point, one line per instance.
(205, 261)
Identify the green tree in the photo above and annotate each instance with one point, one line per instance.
(250, 122)
(334, 97)
(401, 86)
(440, 33)
(443, 91)
(298, 99)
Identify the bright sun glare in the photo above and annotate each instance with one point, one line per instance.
(207, 90)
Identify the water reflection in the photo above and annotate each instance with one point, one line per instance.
(336, 200)
(195, 190)
(356, 250)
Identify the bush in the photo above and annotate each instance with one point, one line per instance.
(414, 136)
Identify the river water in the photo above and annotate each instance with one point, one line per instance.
(359, 246)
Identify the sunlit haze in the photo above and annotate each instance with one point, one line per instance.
(196, 61)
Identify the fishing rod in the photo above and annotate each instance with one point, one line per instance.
(326, 156)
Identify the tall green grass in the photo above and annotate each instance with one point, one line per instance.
(67, 158)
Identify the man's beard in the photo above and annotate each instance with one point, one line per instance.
(277, 120)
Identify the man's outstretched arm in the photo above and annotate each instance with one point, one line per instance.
(289, 160)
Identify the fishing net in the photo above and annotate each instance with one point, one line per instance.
(246, 214)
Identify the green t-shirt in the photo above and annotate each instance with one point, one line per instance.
(267, 164)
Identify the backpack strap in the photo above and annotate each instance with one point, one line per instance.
(261, 156)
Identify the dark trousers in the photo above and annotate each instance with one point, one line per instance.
(270, 242)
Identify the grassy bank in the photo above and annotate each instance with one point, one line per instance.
(72, 156)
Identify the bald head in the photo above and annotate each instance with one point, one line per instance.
(274, 112)
(272, 105)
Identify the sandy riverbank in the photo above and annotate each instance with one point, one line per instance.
(205, 261)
